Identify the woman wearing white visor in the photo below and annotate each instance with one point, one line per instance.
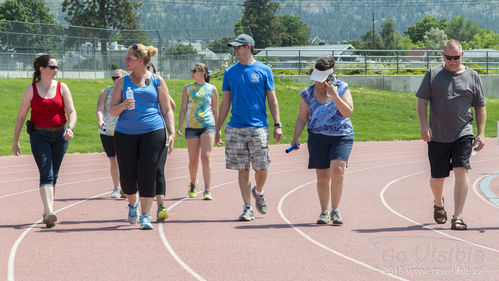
(325, 108)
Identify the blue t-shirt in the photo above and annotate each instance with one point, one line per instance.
(248, 85)
(146, 117)
(324, 117)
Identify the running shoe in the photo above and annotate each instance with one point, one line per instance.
(247, 215)
(162, 214)
(324, 217)
(260, 203)
(145, 222)
(116, 193)
(49, 219)
(132, 213)
(207, 195)
(192, 192)
(336, 217)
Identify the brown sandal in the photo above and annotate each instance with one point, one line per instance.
(439, 217)
(458, 224)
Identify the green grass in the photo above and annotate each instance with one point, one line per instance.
(378, 115)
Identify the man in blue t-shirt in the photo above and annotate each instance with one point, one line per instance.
(246, 86)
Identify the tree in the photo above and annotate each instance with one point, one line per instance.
(27, 13)
(486, 39)
(435, 38)
(181, 51)
(368, 40)
(259, 16)
(102, 14)
(293, 31)
(461, 29)
(417, 31)
(390, 37)
(219, 46)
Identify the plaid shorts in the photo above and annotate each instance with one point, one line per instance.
(243, 145)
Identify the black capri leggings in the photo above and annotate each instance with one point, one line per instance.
(138, 157)
(160, 174)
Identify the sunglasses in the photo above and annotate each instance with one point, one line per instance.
(136, 48)
(452, 57)
(238, 47)
(196, 70)
(115, 77)
(53, 67)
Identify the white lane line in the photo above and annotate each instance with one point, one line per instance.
(381, 195)
(60, 175)
(13, 250)
(279, 209)
(480, 195)
(169, 247)
(62, 184)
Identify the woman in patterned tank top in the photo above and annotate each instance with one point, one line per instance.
(200, 111)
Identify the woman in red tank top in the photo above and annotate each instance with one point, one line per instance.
(51, 107)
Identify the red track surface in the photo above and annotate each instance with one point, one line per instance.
(389, 232)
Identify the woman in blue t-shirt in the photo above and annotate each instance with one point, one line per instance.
(326, 106)
(140, 134)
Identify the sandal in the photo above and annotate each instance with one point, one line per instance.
(437, 216)
(458, 224)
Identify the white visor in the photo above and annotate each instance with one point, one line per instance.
(320, 76)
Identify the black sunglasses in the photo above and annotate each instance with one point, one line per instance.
(53, 67)
(135, 47)
(237, 47)
(115, 77)
(196, 70)
(452, 57)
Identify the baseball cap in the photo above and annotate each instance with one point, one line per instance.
(320, 75)
(242, 39)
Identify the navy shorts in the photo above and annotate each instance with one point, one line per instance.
(445, 156)
(195, 133)
(322, 149)
(107, 143)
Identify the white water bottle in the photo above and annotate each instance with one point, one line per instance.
(129, 94)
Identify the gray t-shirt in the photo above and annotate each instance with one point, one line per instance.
(451, 97)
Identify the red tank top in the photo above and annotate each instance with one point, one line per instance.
(48, 112)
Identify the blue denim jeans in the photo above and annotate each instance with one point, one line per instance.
(48, 149)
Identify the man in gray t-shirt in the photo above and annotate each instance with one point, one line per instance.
(451, 90)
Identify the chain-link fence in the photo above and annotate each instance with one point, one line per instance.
(84, 52)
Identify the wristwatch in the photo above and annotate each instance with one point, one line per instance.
(71, 128)
(278, 125)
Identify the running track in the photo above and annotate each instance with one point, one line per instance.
(389, 232)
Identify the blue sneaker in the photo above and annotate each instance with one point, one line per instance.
(116, 193)
(145, 222)
(132, 213)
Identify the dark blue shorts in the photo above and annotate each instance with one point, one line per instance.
(195, 133)
(322, 149)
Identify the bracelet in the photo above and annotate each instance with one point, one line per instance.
(71, 128)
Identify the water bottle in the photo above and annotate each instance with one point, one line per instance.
(103, 128)
(291, 148)
(129, 94)
(473, 151)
